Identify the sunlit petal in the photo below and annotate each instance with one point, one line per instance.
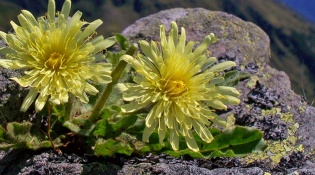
(181, 86)
(58, 56)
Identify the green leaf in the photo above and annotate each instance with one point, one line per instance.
(2, 131)
(114, 127)
(125, 122)
(62, 111)
(111, 147)
(138, 127)
(108, 42)
(232, 78)
(102, 128)
(238, 141)
(122, 41)
(219, 153)
(184, 152)
(81, 126)
(109, 112)
(236, 136)
(113, 57)
(24, 135)
(245, 148)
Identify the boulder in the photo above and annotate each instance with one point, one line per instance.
(267, 101)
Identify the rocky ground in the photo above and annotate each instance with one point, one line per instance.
(267, 103)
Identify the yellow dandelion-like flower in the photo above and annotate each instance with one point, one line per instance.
(58, 55)
(180, 84)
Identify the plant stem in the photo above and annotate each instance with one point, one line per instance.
(48, 132)
(116, 73)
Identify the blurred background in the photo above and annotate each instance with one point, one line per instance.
(290, 25)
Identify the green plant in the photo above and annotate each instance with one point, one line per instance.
(174, 93)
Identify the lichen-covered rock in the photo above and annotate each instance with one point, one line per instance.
(240, 41)
(267, 102)
(307, 129)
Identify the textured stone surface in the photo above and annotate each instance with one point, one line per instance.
(25, 162)
(307, 128)
(240, 41)
(247, 45)
(170, 169)
(11, 94)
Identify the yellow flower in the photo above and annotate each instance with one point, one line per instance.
(180, 85)
(58, 55)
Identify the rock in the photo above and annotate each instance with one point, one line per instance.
(306, 130)
(240, 41)
(267, 103)
(42, 163)
(11, 95)
(170, 169)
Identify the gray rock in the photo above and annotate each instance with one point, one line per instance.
(306, 130)
(27, 162)
(171, 169)
(240, 41)
(247, 45)
(11, 95)
(41, 164)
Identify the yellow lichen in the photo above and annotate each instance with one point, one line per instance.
(278, 148)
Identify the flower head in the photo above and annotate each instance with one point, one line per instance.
(180, 84)
(58, 55)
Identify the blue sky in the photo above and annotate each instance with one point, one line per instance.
(305, 8)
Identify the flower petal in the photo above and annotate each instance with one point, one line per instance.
(66, 7)
(191, 143)
(154, 114)
(29, 99)
(6, 63)
(222, 66)
(89, 29)
(161, 130)
(227, 90)
(230, 100)
(201, 48)
(40, 102)
(90, 89)
(57, 55)
(174, 139)
(51, 11)
(180, 84)
(148, 131)
(132, 107)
